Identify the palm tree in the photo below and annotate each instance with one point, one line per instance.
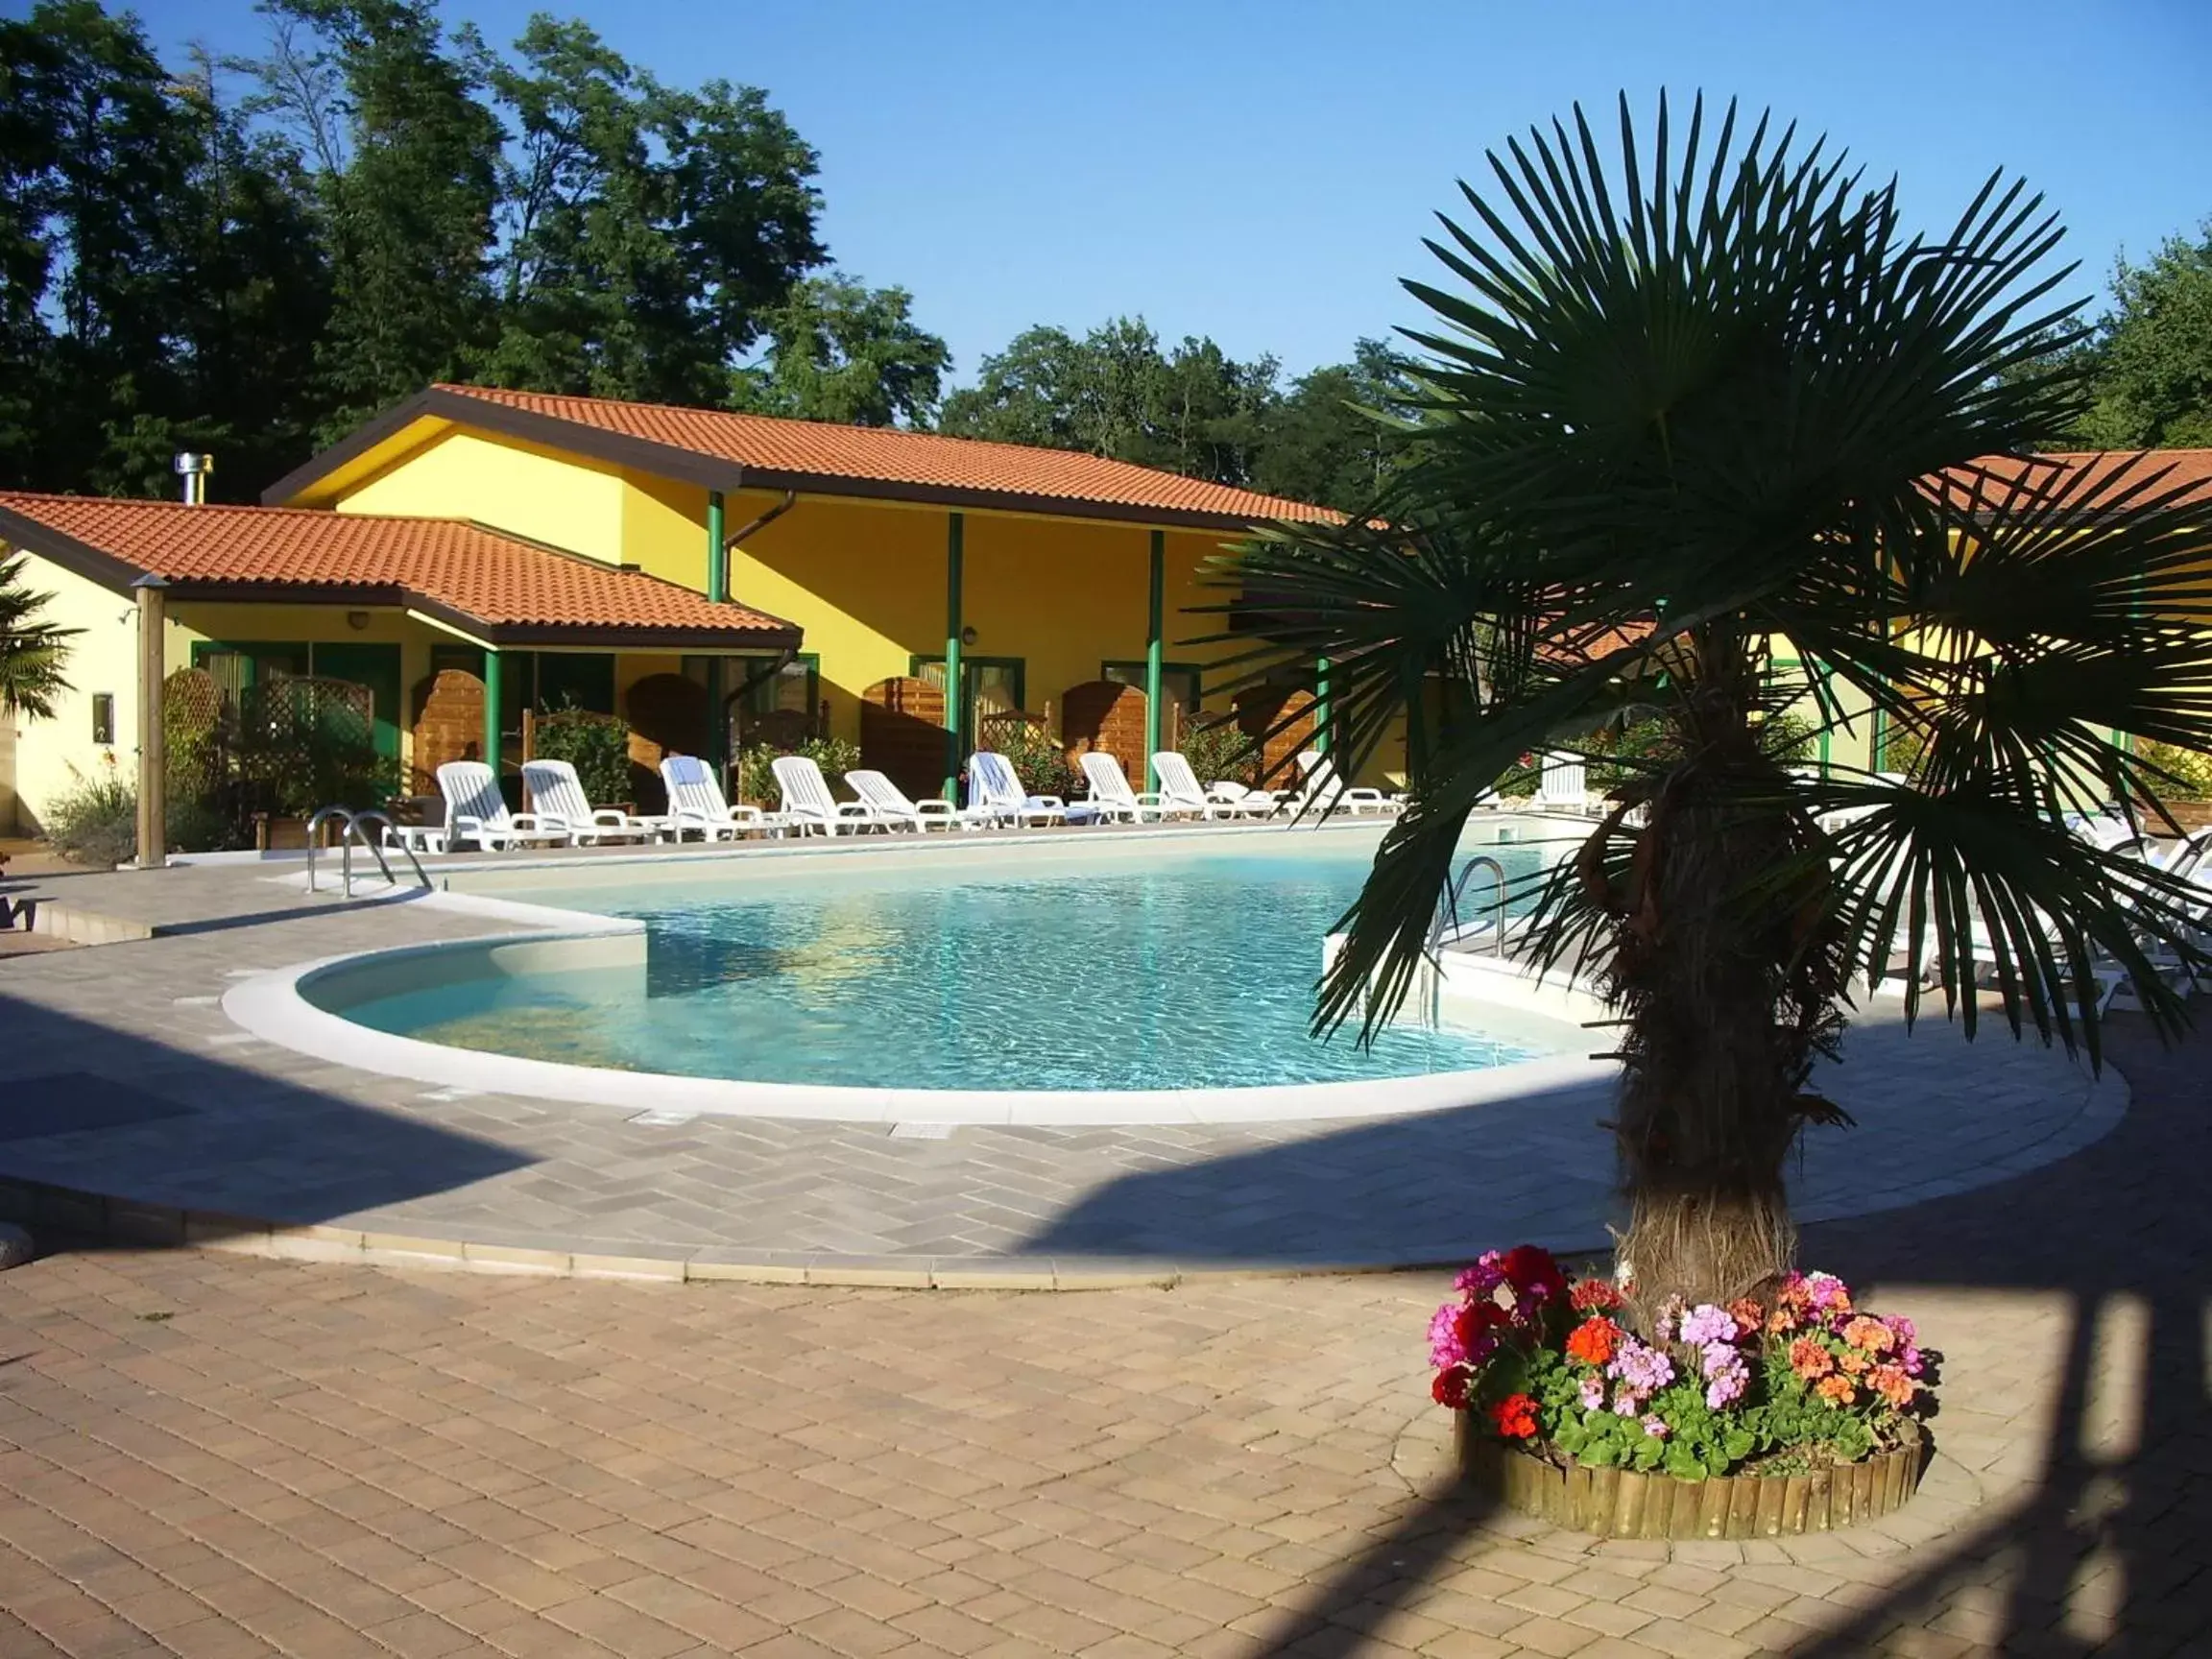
(32, 653)
(1687, 405)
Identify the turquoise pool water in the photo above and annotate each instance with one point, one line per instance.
(1188, 969)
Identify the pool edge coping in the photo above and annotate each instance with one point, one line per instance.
(272, 1007)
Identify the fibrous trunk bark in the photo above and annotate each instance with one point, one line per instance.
(1723, 1008)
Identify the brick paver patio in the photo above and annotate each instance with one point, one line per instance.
(126, 1079)
(211, 1457)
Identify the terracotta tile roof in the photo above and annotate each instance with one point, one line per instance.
(495, 580)
(789, 455)
(2189, 468)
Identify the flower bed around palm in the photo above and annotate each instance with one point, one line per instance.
(1799, 1384)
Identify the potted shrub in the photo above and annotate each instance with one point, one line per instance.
(757, 775)
(596, 745)
(1791, 1413)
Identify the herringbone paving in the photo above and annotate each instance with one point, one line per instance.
(213, 1457)
(281, 1136)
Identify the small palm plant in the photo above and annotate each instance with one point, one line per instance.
(32, 653)
(1693, 403)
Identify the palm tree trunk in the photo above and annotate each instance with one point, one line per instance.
(1716, 1054)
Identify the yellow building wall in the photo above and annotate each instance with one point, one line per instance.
(865, 581)
(52, 756)
(521, 488)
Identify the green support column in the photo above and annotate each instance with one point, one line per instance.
(1321, 713)
(1152, 655)
(717, 560)
(491, 726)
(717, 592)
(955, 530)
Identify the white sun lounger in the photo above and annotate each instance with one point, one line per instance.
(996, 794)
(476, 812)
(1326, 791)
(1111, 796)
(557, 798)
(695, 802)
(808, 805)
(895, 809)
(1562, 784)
(1180, 791)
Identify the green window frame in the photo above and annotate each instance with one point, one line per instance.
(1131, 671)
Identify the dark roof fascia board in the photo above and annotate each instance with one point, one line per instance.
(711, 473)
(349, 448)
(514, 634)
(77, 558)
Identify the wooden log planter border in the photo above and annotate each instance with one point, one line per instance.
(1623, 1504)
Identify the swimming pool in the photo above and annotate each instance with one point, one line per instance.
(1191, 966)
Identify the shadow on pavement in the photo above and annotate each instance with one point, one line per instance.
(100, 1109)
(2108, 1551)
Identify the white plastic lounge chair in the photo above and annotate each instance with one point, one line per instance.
(894, 810)
(1181, 792)
(1562, 784)
(475, 811)
(1111, 796)
(808, 805)
(695, 802)
(1325, 791)
(557, 798)
(996, 793)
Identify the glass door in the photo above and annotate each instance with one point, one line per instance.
(988, 685)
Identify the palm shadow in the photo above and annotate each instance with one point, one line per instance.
(2105, 1554)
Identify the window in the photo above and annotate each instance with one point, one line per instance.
(104, 717)
(1179, 682)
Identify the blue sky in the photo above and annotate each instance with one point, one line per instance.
(1264, 173)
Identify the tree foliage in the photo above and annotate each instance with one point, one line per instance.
(2152, 358)
(252, 256)
(34, 653)
(1681, 401)
(840, 351)
(1333, 437)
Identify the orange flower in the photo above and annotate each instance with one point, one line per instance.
(1594, 1340)
(1810, 1359)
(1854, 1363)
(1871, 1335)
(1781, 1322)
(1747, 1314)
(1894, 1386)
(1837, 1390)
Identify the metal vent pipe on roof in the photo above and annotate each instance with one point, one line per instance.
(193, 470)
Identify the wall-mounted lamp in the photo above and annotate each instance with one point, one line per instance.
(357, 621)
(967, 636)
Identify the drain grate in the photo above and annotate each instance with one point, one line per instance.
(922, 1131)
(659, 1120)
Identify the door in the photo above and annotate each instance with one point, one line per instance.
(378, 667)
(988, 685)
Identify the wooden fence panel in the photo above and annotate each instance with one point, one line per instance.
(902, 734)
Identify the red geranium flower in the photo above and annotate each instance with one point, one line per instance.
(1593, 1294)
(1529, 1268)
(1449, 1388)
(1594, 1340)
(1515, 1416)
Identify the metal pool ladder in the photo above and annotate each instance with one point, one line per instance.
(352, 827)
(1428, 987)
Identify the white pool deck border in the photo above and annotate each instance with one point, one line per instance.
(277, 1008)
